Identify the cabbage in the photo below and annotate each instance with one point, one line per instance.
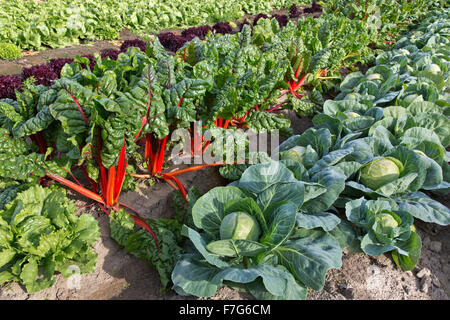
(420, 153)
(386, 224)
(433, 68)
(239, 225)
(351, 114)
(379, 172)
(374, 76)
(352, 96)
(296, 153)
(410, 98)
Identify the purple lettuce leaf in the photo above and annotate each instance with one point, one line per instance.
(223, 28)
(8, 83)
(171, 42)
(141, 44)
(44, 74)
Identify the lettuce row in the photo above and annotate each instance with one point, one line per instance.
(39, 231)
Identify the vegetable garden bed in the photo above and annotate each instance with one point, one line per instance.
(106, 123)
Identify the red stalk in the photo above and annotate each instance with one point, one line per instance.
(110, 187)
(178, 183)
(173, 185)
(161, 153)
(79, 189)
(145, 118)
(148, 154)
(155, 159)
(78, 105)
(42, 145)
(179, 102)
(70, 173)
(272, 109)
(297, 71)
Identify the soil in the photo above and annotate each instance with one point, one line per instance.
(120, 275)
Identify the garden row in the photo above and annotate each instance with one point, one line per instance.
(356, 179)
(44, 74)
(34, 25)
(112, 124)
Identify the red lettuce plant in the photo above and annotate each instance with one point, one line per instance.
(315, 7)
(141, 44)
(171, 42)
(44, 74)
(7, 86)
(223, 28)
(58, 64)
(110, 53)
(200, 32)
(294, 12)
(282, 19)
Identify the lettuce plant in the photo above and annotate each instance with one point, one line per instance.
(43, 74)
(40, 235)
(9, 51)
(8, 85)
(141, 44)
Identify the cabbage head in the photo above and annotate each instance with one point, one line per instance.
(352, 114)
(296, 153)
(239, 225)
(379, 172)
(387, 223)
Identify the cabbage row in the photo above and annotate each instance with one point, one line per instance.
(359, 178)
